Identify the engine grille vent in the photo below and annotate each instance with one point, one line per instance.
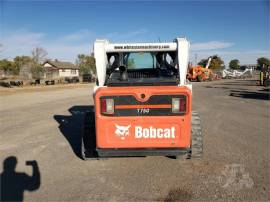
(141, 75)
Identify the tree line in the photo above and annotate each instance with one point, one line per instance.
(34, 61)
(86, 63)
(218, 63)
(263, 61)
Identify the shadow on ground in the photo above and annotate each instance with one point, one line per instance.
(265, 90)
(71, 126)
(221, 87)
(177, 195)
(13, 184)
(224, 88)
(251, 95)
(236, 89)
(239, 83)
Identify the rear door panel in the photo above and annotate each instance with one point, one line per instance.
(130, 127)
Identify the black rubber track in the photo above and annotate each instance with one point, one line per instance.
(88, 145)
(197, 136)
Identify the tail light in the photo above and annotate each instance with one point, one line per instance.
(179, 105)
(107, 106)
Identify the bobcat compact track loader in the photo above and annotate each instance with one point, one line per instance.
(143, 104)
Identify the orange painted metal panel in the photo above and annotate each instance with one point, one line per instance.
(143, 131)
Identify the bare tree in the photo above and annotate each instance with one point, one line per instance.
(39, 55)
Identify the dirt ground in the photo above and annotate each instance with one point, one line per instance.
(45, 127)
(40, 88)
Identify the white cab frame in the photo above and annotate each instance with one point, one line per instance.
(102, 47)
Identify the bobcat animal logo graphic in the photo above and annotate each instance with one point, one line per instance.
(122, 131)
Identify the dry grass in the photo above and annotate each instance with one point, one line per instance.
(41, 88)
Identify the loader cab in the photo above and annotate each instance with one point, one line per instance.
(142, 69)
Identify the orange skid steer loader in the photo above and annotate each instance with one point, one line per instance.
(199, 73)
(143, 104)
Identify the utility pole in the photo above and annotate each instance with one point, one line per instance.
(196, 57)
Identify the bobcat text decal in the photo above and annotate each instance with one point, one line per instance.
(145, 133)
(152, 132)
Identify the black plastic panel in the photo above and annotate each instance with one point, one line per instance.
(143, 152)
(153, 100)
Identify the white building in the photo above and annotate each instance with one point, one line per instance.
(58, 69)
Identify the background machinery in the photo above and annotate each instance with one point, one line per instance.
(265, 75)
(199, 73)
(236, 74)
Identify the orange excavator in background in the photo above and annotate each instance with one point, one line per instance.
(199, 73)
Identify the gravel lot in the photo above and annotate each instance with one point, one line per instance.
(45, 127)
(39, 88)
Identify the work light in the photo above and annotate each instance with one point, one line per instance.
(107, 106)
(178, 105)
(175, 105)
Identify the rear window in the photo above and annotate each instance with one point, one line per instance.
(140, 60)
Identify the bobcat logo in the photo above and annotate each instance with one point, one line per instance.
(122, 131)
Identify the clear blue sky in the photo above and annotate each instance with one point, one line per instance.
(231, 29)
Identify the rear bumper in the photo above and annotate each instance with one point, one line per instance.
(143, 152)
